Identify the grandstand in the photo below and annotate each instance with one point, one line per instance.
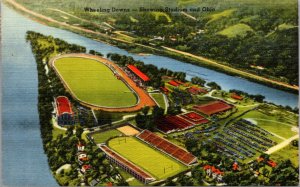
(194, 118)
(213, 107)
(129, 167)
(180, 122)
(167, 147)
(170, 124)
(138, 73)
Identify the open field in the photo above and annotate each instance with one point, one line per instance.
(289, 152)
(271, 124)
(219, 15)
(101, 137)
(128, 130)
(236, 30)
(159, 98)
(93, 82)
(129, 178)
(153, 161)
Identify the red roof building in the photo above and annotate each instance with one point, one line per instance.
(235, 96)
(85, 168)
(272, 163)
(213, 169)
(64, 112)
(195, 90)
(165, 90)
(63, 105)
(138, 73)
(213, 107)
(235, 166)
(173, 83)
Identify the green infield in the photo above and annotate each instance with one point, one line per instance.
(94, 83)
(149, 159)
(101, 137)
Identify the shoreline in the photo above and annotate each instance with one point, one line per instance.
(164, 51)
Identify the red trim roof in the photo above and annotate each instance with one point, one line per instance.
(63, 105)
(136, 71)
(174, 83)
(213, 169)
(235, 96)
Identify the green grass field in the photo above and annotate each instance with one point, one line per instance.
(147, 158)
(236, 30)
(101, 137)
(272, 124)
(94, 83)
(219, 15)
(288, 152)
(159, 98)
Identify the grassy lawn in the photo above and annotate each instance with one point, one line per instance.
(161, 14)
(129, 178)
(94, 83)
(219, 15)
(56, 131)
(271, 123)
(147, 158)
(288, 152)
(239, 29)
(159, 98)
(103, 136)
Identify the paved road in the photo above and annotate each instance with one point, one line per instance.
(282, 144)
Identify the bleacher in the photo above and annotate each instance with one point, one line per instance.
(128, 166)
(172, 123)
(194, 118)
(167, 147)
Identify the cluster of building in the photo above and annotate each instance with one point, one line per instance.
(82, 158)
(215, 173)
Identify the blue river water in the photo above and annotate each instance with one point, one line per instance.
(23, 160)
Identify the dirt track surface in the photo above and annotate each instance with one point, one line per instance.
(144, 98)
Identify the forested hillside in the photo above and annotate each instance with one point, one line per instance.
(256, 36)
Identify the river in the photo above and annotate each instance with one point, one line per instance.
(23, 160)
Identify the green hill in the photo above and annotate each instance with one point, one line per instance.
(236, 30)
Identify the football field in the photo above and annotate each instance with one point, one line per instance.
(94, 83)
(149, 159)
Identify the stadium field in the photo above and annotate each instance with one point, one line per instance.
(151, 160)
(101, 137)
(94, 83)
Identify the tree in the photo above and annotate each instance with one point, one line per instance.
(157, 112)
(214, 85)
(198, 81)
(145, 110)
(140, 120)
(69, 131)
(79, 131)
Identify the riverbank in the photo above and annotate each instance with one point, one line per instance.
(165, 51)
